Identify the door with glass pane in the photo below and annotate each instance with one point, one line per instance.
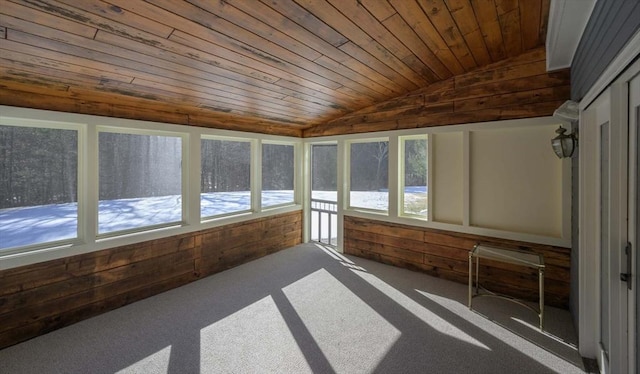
(324, 195)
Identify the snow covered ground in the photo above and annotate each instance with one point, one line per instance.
(48, 223)
(37, 224)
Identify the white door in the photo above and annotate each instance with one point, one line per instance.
(606, 271)
(634, 218)
(324, 196)
(604, 183)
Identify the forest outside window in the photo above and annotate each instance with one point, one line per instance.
(38, 186)
(369, 175)
(140, 181)
(278, 175)
(413, 191)
(225, 182)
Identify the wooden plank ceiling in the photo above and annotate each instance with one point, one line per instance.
(291, 64)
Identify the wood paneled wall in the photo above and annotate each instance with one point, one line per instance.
(445, 254)
(519, 87)
(42, 297)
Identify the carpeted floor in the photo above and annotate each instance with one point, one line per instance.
(308, 309)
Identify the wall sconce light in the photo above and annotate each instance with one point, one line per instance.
(564, 145)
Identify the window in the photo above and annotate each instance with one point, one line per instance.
(38, 185)
(278, 168)
(74, 184)
(413, 191)
(369, 175)
(140, 181)
(225, 182)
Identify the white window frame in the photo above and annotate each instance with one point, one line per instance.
(251, 178)
(80, 188)
(402, 171)
(296, 175)
(347, 180)
(184, 190)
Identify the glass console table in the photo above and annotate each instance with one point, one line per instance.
(510, 256)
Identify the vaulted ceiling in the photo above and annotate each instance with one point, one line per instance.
(287, 63)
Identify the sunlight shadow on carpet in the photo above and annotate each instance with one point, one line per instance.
(154, 363)
(342, 324)
(424, 314)
(507, 335)
(236, 342)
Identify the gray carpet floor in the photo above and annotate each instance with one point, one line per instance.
(308, 309)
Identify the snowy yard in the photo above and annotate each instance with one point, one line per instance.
(48, 223)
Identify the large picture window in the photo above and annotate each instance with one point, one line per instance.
(278, 170)
(140, 181)
(369, 175)
(38, 185)
(225, 182)
(414, 176)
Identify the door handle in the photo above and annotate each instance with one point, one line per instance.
(626, 277)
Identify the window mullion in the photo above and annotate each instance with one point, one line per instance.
(430, 178)
(344, 171)
(89, 198)
(191, 175)
(303, 186)
(343, 188)
(394, 176)
(256, 175)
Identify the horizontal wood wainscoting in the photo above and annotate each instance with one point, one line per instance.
(39, 298)
(445, 254)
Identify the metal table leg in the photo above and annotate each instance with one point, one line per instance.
(470, 277)
(541, 281)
